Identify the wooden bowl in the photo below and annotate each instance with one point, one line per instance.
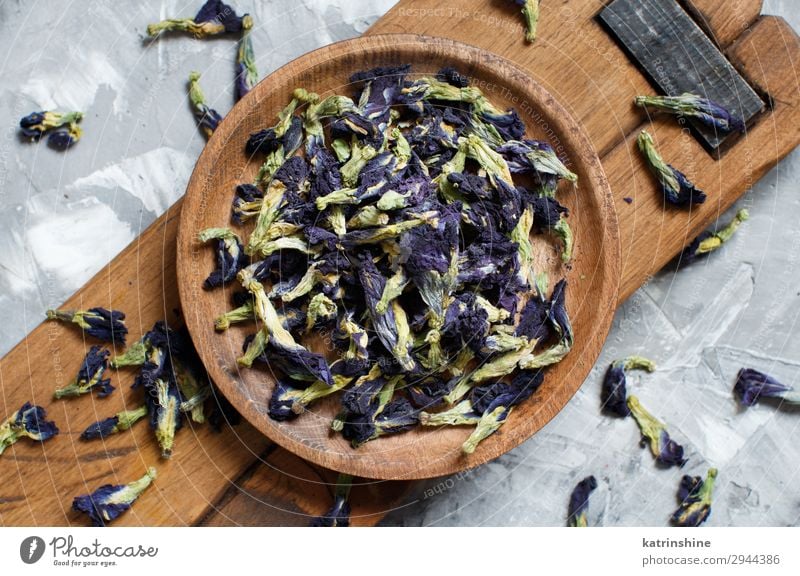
(593, 274)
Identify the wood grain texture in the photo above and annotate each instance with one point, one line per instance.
(597, 89)
(592, 275)
(724, 20)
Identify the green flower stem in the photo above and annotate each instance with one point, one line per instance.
(488, 425)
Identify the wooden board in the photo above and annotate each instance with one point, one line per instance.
(220, 479)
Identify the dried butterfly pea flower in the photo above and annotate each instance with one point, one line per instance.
(674, 185)
(534, 321)
(393, 335)
(161, 345)
(246, 71)
(90, 376)
(666, 451)
(27, 422)
(106, 325)
(207, 118)
(302, 361)
(751, 386)
(230, 256)
(339, 514)
(549, 215)
(108, 502)
(390, 418)
(579, 502)
(193, 384)
(356, 337)
(246, 203)
(690, 105)
(487, 407)
(535, 158)
(530, 11)
(115, 424)
(431, 260)
(158, 376)
(63, 138)
(496, 402)
(694, 496)
(466, 324)
(288, 402)
(63, 128)
(163, 401)
(214, 17)
(709, 241)
(615, 393)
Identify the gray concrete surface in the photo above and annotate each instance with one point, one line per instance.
(65, 215)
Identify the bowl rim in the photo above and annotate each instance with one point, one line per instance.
(574, 138)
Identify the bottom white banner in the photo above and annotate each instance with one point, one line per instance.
(401, 551)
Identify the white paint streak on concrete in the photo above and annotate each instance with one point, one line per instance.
(154, 177)
(60, 246)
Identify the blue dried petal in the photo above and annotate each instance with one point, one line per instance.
(337, 516)
(31, 125)
(62, 138)
(299, 363)
(383, 86)
(490, 260)
(533, 320)
(486, 397)
(108, 502)
(293, 174)
(752, 385)
(579, 502)
(547, 212)
(508, 125)
(162, 343)
(326, 175)
(33, 419)
(431, 392)
(465, 324)
(471, 186)
(670, 452)
(687, 194)
(453, 77)
(615, 394)
(101, 429)
(263, 142)
(106, 325)
(397, 416)
(694, 499)
(217, 10)
(293, 136)
(360, 398)
(558, 312)
(281, 402)
(230, 259)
